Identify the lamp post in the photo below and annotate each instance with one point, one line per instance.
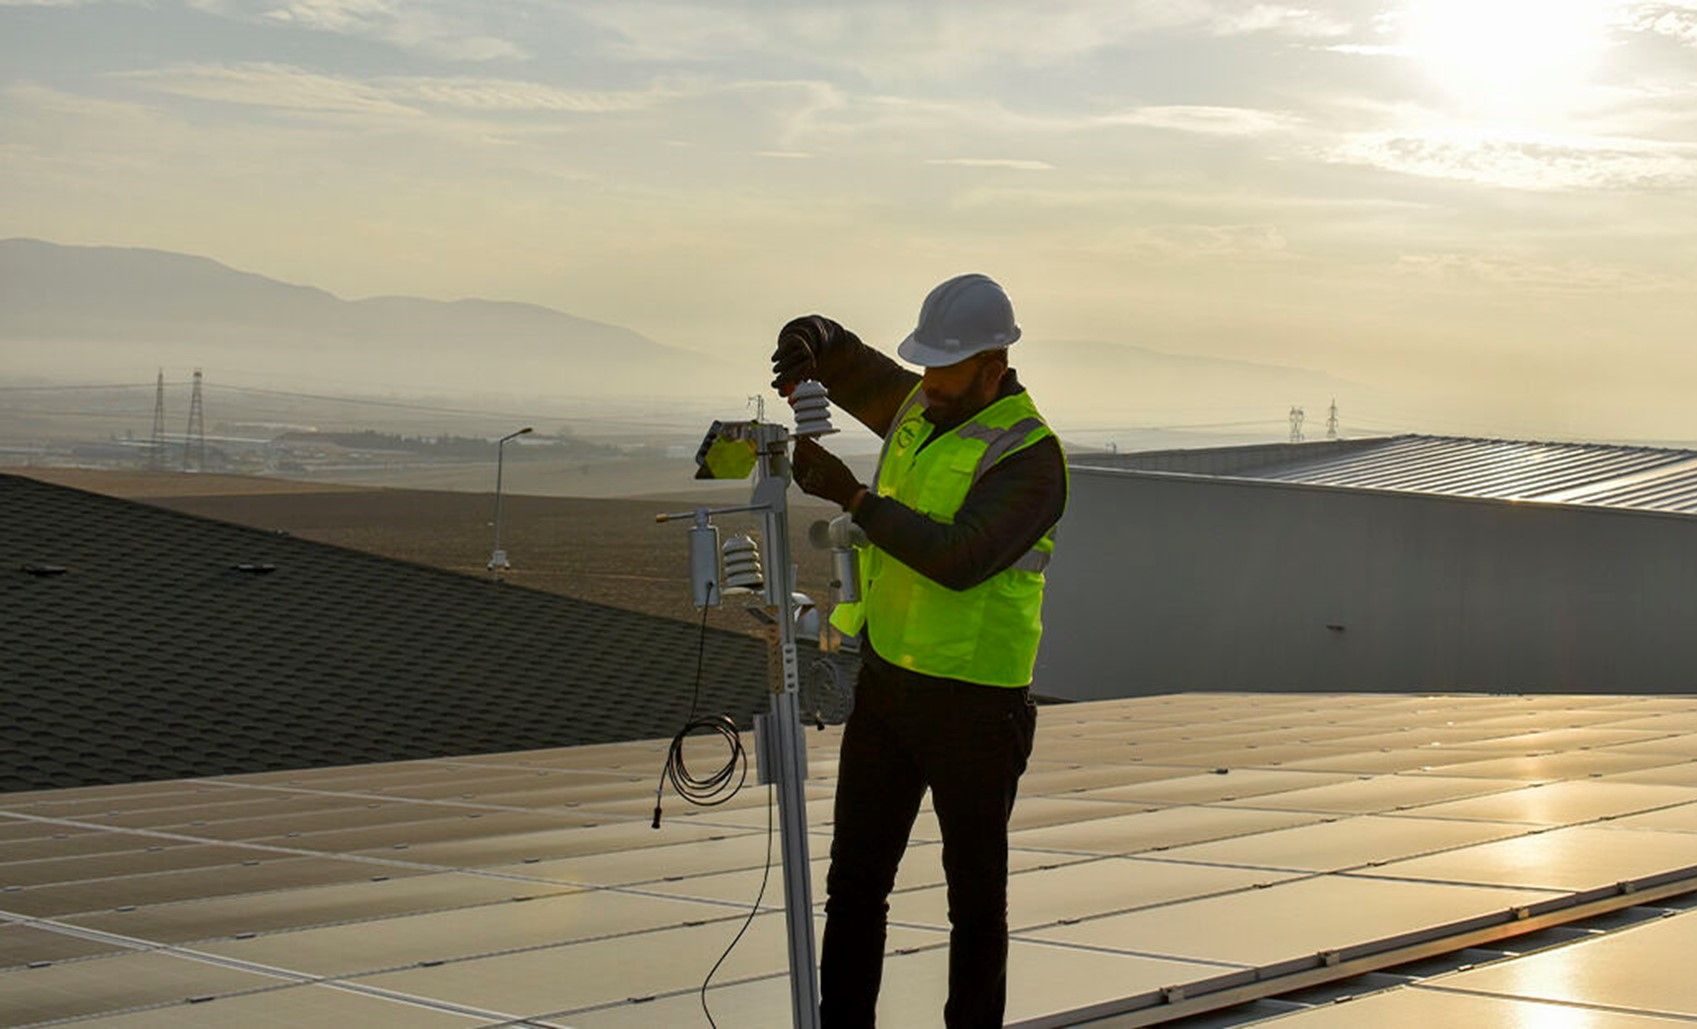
(498, 559)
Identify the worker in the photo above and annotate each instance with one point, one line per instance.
(960, 517)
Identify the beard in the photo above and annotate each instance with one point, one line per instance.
(944, 412)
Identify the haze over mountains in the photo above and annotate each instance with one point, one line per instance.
(134, 306)
(83, 313)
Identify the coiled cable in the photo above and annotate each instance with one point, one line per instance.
(714, 789)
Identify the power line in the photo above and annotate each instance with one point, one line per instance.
(156, 457)
(69, 389)
(467, 411)
(195, 436)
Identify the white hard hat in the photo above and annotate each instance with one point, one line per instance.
(966, 315)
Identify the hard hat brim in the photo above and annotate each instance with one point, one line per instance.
(925, 355)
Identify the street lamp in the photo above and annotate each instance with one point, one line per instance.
(498, 559)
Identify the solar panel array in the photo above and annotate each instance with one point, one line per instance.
(1166, 850)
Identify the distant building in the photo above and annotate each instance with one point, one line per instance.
(1400, 563)
(138, 643)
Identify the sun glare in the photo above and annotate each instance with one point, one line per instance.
(1515, 58)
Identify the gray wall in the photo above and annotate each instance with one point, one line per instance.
(1164, 582)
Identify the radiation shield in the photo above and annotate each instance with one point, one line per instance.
(729, 451)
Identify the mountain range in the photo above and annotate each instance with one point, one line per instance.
(76, 311)
(148, 300)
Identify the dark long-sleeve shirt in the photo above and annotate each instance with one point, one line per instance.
(1005, 512)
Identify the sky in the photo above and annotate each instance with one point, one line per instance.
(1468, 205)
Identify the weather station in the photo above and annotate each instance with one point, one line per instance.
(737, 450)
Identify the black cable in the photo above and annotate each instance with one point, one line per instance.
(758, 897)
(716, 788)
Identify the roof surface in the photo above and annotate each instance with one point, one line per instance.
(1646, 478)
(1163, 849)
(171, 646)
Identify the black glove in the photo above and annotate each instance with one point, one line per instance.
(800, 344)
(822, 474)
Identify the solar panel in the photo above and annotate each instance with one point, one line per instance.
(309, 906)
(1343, 843)
(1376, 794)
(1045, 896)
(1154, 830)
(1289, 921)
(1421, 1008)
(219, 881)
(1547, 767)
(1684, 774)
(673, 959)
(1680, 818)
(94, 985)
(1561, 803)
(291, 1007)
(467, 932)
(1214, 787)
(1577, 859)
(24, 945)
(1646, 967)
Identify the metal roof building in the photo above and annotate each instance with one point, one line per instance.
(1606, 475)
(1398, 563)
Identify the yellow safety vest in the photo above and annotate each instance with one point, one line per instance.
(985, 634)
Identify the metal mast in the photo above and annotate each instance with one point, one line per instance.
(1296, 419)
(782, 727)
(1332, 421)
(194, 440)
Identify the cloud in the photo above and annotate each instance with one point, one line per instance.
(1012, 163)
(1371, 49)
(1203, 120)
(1677, 21)
(1527, 161)
(987, 123)
(277, 86)
(287, 87)
(1300, 22)
(490, 94)
(898, 40)
(434, 28)
(1198, 243)
(1529, 275)
(1210, 242)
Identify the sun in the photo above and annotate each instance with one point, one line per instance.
(1520, 58)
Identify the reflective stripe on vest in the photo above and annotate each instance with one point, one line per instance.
(987, 633)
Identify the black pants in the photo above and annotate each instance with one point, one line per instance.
(969, 744)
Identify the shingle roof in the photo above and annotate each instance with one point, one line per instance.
(1600, 474)
(172, 646)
